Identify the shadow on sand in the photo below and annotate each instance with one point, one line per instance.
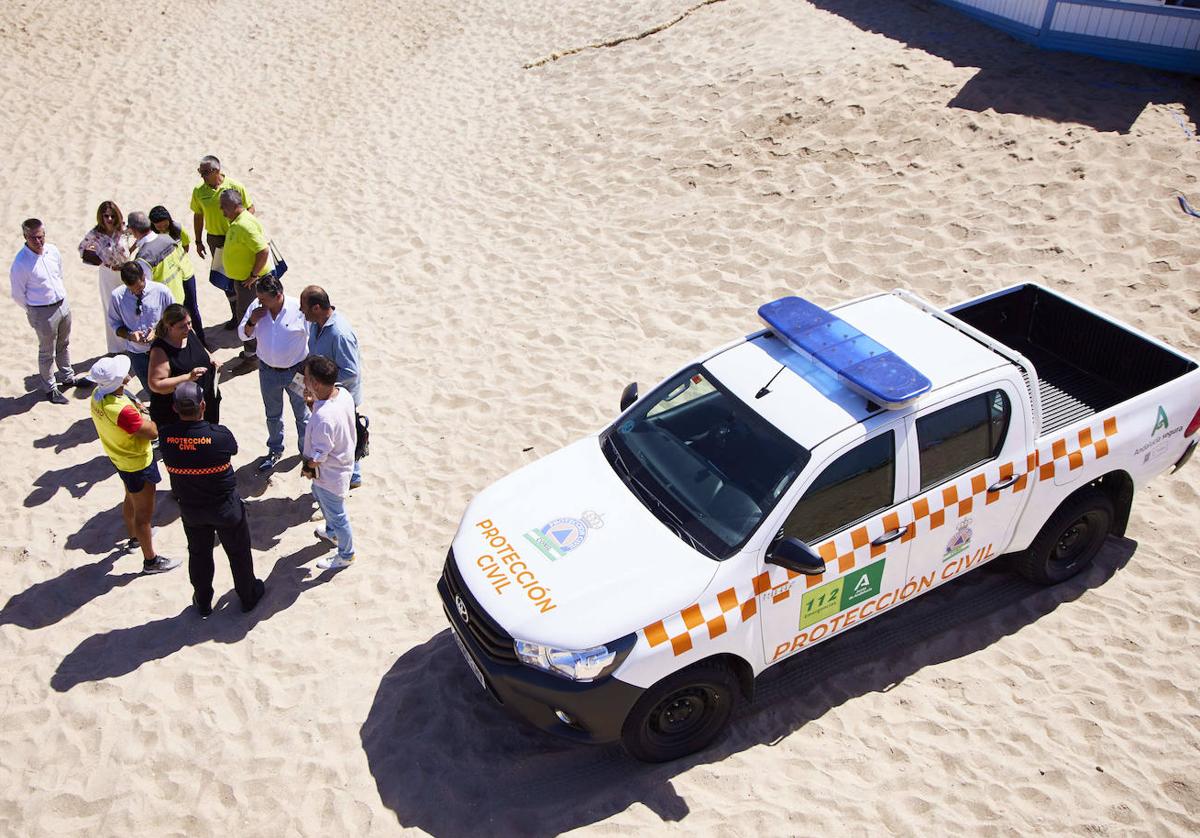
(45, 603)
(121, 651)
(100, 532)
(75, 479)
(446, 759)
(1017, 78)
(272, 517)
(80, 431)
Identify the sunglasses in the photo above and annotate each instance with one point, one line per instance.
(138, 310)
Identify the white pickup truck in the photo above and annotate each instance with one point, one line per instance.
(796, 483)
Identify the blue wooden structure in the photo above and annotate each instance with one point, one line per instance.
(1154, 33)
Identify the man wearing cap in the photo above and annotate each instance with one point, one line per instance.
(158, 252)
(331, 335)
(125, 430)
(207, 215)
(133, 312)
(278, 325)
(38, 288)
(246, 252)
(197, 456)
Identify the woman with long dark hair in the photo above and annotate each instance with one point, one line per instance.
(160, 218)
(104, 247)
(176, 356)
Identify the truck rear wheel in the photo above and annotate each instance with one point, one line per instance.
(681, 714)
(1069, 540)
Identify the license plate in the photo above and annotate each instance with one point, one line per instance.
(467, 657)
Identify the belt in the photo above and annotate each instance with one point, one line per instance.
(280, 369)
(50, 305)
(199, 472)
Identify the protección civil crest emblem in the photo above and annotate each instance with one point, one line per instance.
(563, 535)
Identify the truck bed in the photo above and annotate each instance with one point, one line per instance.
(1085, 363)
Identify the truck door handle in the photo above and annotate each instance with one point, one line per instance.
(888, 537)
(1004, 484)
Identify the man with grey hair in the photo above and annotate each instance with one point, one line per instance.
(331, 335)
(38, 288)
(156, 250)
(207, 216)
(246, 253)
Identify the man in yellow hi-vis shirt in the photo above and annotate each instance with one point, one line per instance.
(246, 252)
(207, 216)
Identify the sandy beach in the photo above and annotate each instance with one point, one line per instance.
(518, 220)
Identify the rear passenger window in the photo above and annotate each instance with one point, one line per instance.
(961, 436)
(857, 484)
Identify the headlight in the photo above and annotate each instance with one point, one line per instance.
(577, 665)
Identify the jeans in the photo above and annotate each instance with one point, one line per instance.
(273, 384)
(53, 327)
(337, 524)
(192, 303)
(139, 365)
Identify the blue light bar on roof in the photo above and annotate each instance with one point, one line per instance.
(865, 366)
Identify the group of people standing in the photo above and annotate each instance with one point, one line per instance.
(302, 348)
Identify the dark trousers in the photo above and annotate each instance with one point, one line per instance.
(228, 521)
(245, 298)
(192, 303)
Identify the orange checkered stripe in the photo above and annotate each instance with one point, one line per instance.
(197, 472)
(1065, 455)
(853, 548)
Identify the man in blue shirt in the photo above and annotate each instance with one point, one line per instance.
(133, 312)
(331, 335)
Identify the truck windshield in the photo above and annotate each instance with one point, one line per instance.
(702, 461)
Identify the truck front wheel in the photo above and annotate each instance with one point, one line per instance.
(1069, 540)
(681, 714)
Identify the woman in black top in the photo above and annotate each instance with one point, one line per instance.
(176, 356)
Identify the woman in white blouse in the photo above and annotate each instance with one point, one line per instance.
(104, 247)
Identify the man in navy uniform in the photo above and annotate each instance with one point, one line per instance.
(197, 456)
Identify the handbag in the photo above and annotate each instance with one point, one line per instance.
(281, 264)
(362, 436)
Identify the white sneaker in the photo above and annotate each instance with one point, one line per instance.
(321, 535)
(335, 563)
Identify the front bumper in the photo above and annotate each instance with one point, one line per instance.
(597, 709)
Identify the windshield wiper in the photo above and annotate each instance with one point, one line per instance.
(644, 494)
(671, 520)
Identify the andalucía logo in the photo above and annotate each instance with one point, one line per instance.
(960, 541)
(563, 535)
(1160, 421)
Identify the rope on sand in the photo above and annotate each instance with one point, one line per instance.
(554, 56)
(1187, 129)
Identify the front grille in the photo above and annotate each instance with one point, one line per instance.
(495, 642)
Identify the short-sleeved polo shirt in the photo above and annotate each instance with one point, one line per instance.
(117, 420)
(207, 201)
(243, 241)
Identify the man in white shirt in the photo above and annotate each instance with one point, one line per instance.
(37, 287)
(329, 455)
(278, 325)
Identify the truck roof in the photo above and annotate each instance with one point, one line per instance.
(939, 351)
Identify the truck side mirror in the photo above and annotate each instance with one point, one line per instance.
(629, 395)
(794, 554)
